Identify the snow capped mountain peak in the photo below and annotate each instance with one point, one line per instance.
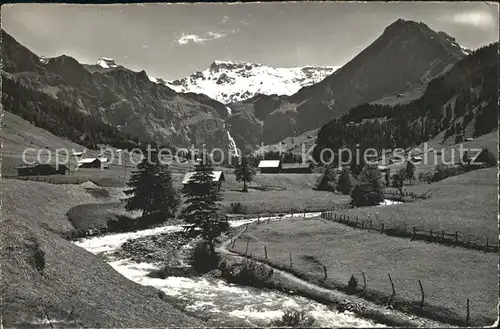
(232, 81)
(106, 62)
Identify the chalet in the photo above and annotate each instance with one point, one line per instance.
(217, 178)
(296, 168)
(41, 169)
(270, 166)
(77, 154)
(92, 163)
(416, 158)
(469, 139)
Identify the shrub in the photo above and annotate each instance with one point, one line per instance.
(201, 259)
(237, 208)
(425, 176)
(443, 171)
(326, 182)
(487, 157)
(368, 191)
(352, 285)
(249, 273)
(294, 318)
(37, 255)
(122, 223)
(344, 182)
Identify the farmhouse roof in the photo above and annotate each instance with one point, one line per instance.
(269, 163)
(296, 165)
(216, 176)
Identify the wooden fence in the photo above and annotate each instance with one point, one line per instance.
(414, 233)
(348, 289)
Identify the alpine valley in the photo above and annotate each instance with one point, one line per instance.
(231, 104)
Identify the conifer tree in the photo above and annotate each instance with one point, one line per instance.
(244, 172)
(344, 184)
(201, 209)
(368, 191)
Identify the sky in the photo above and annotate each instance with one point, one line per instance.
(172, 41)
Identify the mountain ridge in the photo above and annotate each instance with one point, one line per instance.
(232, 81)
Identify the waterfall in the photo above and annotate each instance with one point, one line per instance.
(232, 145)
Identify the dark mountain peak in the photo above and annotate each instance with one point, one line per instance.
(17, 58)
(68, 68)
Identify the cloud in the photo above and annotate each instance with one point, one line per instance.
(224, 19)
(478, 19)
(199, 39)
(144, 46)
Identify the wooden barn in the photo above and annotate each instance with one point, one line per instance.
(92, 163)
(217, 178)
(41, 169)
(296, 168)
(270, 166)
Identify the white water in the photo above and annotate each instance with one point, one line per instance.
(232, 144)
(209, 295)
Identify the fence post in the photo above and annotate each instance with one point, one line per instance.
(468, 240)
(305, 212)
(405, 227)
(442, 234)
(456, 236)
(370, 224)
(290, 255)
(335, 217)
(324, 270)
(268, 218)
(467, 320)
(246, 249)
(414, 233)
(364, 280)
(487, 242)
(392, 285)
(422, 291)
(258, 220)
(430, 232)
(265, 251)
(246, 227)
(382, 229)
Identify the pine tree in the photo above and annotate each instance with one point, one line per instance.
(327, 180)
(410, 170)
(344, 184)
(201, 210)
(151, 190)
(244, 172)
(368, 191)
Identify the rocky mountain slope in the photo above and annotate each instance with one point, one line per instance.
(460, 104)
(233, 81)
(120, 97)
(405, 57)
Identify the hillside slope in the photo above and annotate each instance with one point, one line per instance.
(70, 287)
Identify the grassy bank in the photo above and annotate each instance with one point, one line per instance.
(45, 276)
(466, 204)
(449, 276)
